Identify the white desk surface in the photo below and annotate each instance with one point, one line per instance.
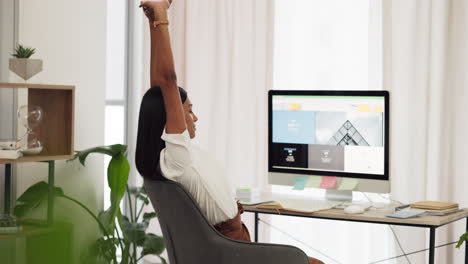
(373, 215)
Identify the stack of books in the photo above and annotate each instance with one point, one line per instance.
(436, 208)
(10, 150)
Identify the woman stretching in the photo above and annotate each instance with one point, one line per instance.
(166, 126)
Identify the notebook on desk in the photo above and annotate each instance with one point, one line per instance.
(301, 206)
(435, 206)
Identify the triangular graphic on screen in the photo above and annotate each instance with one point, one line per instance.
(348, 135)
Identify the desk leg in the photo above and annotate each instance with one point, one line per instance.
(466, 244)
(50, 200)
(7, 196)
(256, 227)
(432, 245)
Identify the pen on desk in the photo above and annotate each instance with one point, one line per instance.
(402, 207)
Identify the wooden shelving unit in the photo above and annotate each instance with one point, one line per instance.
(56, 131)
(57, 128)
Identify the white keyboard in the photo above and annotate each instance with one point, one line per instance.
(307, 206)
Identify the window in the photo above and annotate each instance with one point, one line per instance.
(116, 104)
(329, 45)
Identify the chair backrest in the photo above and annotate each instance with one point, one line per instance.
(190, 238)
(188, 235)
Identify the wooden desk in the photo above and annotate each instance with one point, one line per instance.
(374, 217)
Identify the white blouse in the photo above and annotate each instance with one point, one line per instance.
(200, 175)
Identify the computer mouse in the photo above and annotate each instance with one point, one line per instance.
(355, 209)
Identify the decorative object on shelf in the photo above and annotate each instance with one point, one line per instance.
(58, 123)
(22, 65)
(119, 233)
(30, 116)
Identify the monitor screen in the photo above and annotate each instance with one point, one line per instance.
(329, 133)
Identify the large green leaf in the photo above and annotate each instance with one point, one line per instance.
(117, 177)
(463, 238)
(143, 198)
(133, 232)
(107, 219)
(153, 245)
(126, 257)
(21, 209)
(101, 251)
(148, 216)
(35, 192)
(33, 197)
(112, 150)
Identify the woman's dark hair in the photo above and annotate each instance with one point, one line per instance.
(151, 124)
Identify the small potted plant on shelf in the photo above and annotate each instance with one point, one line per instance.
(22, 65)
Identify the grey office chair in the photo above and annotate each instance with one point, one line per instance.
(190, 239)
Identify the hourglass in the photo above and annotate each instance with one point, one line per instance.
(30, 116)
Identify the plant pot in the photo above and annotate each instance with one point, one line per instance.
(25, 68)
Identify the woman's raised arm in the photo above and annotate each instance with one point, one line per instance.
(162, 64)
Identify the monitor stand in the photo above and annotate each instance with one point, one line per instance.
(335, 195)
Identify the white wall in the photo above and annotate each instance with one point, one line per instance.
(70, 36)
(7, 106)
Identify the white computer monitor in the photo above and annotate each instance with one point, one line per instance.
(342, 134)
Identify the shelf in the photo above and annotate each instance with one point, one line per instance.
(27, 231)
(36, 86)
(37, 158)
(56, 130)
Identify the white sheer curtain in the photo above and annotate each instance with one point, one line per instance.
(426, 66)
(329, 45)
(224, 50)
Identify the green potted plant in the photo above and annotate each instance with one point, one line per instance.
(123, 239)
(22, 65)
(463, 239)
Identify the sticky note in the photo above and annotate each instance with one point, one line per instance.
(299, 183)
(295, 107)
(328, 182)
(348, 184)
(363, 108)
(314, 182)
(378, 109)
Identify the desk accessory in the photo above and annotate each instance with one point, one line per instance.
(255, 202)
(407, 213)
(300, 183)
(301, 206)
(435, 206)
(355, 209)
(247, 194)
(328, 182)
